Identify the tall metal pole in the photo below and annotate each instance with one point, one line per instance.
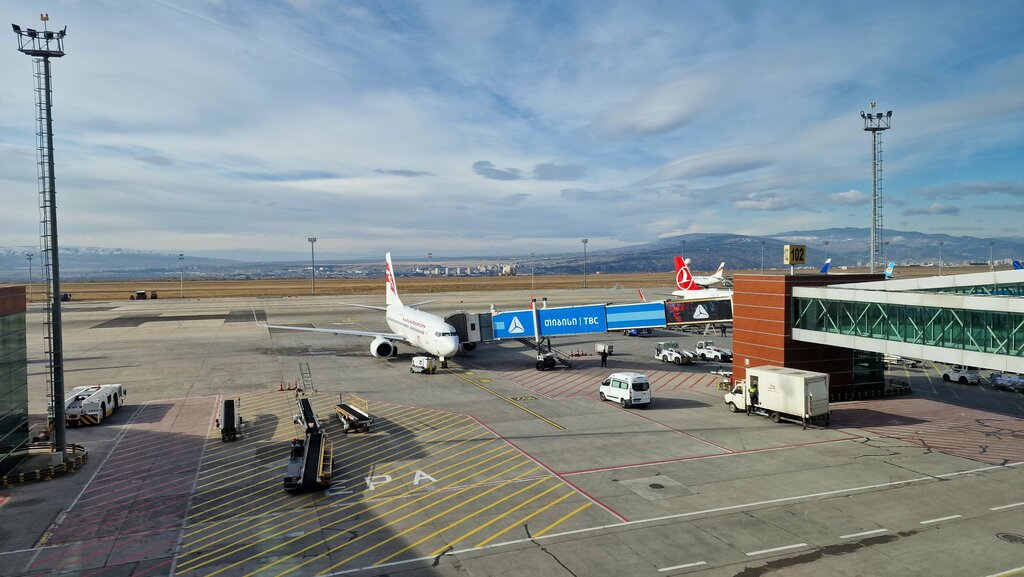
(940, 256)
(762, 257)
(533, 269)
(826, 250)
(29, 256)
(430, 268)
(181, 276)
(991, 263)
(585, 241)
(876, 123)
(312, 265)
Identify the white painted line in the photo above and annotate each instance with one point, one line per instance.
(1007, 573)
(863, 533)
(774, 549)
(1000, 508)
(697, 564)
(930, 521)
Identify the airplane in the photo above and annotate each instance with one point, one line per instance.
(409, 325)
(1017, 265)
(824, 267)
(690, 289)
(889, 270)
(704, 280)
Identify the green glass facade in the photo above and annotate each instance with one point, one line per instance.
(13, 384)
(1000, 333)
(1002, 290)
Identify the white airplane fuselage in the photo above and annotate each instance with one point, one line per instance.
(424, 331)
(705, 293)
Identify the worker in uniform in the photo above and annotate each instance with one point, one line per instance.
(753, 398)
(604, 358)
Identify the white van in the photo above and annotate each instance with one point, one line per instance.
(629, 389)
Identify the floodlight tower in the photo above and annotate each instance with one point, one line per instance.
(42, 45)
(312, 265)
(876, 123)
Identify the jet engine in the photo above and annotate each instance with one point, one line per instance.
(381, 347)
(468, 347)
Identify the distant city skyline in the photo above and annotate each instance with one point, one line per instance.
(510, 128)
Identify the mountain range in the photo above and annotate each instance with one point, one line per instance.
(846, 246)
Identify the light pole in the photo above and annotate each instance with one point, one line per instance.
(430, 268)
(312, 270)
(885, 248)
(29, 256)
(826, 250)
(533, 268)
(991, 263)
(940, 256)
(585, 241)
(682, 250)
(762, 257)
(181, 276)
(876, 123)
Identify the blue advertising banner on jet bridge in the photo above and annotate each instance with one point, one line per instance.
(572, 320)
(635, 316)
(513, 324)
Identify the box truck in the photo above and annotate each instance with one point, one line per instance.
(783, 394)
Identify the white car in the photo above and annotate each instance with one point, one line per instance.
(629, 389)
(962, 374)
(669, 352)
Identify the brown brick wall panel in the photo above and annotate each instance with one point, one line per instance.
(12, 300)
(758, 326)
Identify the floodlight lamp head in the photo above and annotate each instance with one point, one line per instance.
(17, 29)
(888, 114)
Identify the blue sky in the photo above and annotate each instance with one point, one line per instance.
(505, 128)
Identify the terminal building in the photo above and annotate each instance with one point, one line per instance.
(14, 428)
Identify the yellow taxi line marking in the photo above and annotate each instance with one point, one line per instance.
(356, 498)
(404, 517)
(525, 519)
(232, 546)
(511, 402)
(496, 519)
(322, 542)
(562, 519)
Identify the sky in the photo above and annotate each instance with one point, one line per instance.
(497, 128)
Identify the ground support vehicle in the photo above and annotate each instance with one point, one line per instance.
(89, 405)
(307, 417)
(354, 414)
(783, 395)
(603, 348)
(310, 463)
(669, 352)
(629, 389)
(897, 387)
(1007, 382)
(229, 421)
(637, 332)
(424, 365)
(962, 374)
(707, 351)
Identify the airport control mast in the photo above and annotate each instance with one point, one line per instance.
(876, 123)
(42, 45)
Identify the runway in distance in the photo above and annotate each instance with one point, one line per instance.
(689, 288)
(410, 325)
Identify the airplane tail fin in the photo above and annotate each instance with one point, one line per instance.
(1017, 265)
(720, 272)
(390, 289)
(890, 269)
(824, 267)
(641, 293)
(684, 280)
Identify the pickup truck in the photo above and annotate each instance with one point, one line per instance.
(962, 374)
(707, 351)
(669, 352)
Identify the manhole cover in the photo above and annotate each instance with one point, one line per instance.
(656, 486)
(1011, 538)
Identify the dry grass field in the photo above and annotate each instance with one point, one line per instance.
(197, 289)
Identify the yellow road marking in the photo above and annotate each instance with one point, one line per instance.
(561, 520)
(525, 519)
(511, 402)
(496, 519)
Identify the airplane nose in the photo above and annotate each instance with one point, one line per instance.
(453, 347)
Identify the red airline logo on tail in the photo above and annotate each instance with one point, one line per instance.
(684, 280)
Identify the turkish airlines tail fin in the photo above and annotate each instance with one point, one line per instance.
(390, 290)
(824, 267)
(1017, 265)
(889, 269)
(684, 280)
(720, 272)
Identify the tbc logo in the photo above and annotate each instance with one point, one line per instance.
(516, 327)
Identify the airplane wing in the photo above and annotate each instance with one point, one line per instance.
(389, 336)
(371, 307)
(419, 304)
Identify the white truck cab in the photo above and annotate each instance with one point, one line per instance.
(629, 389)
